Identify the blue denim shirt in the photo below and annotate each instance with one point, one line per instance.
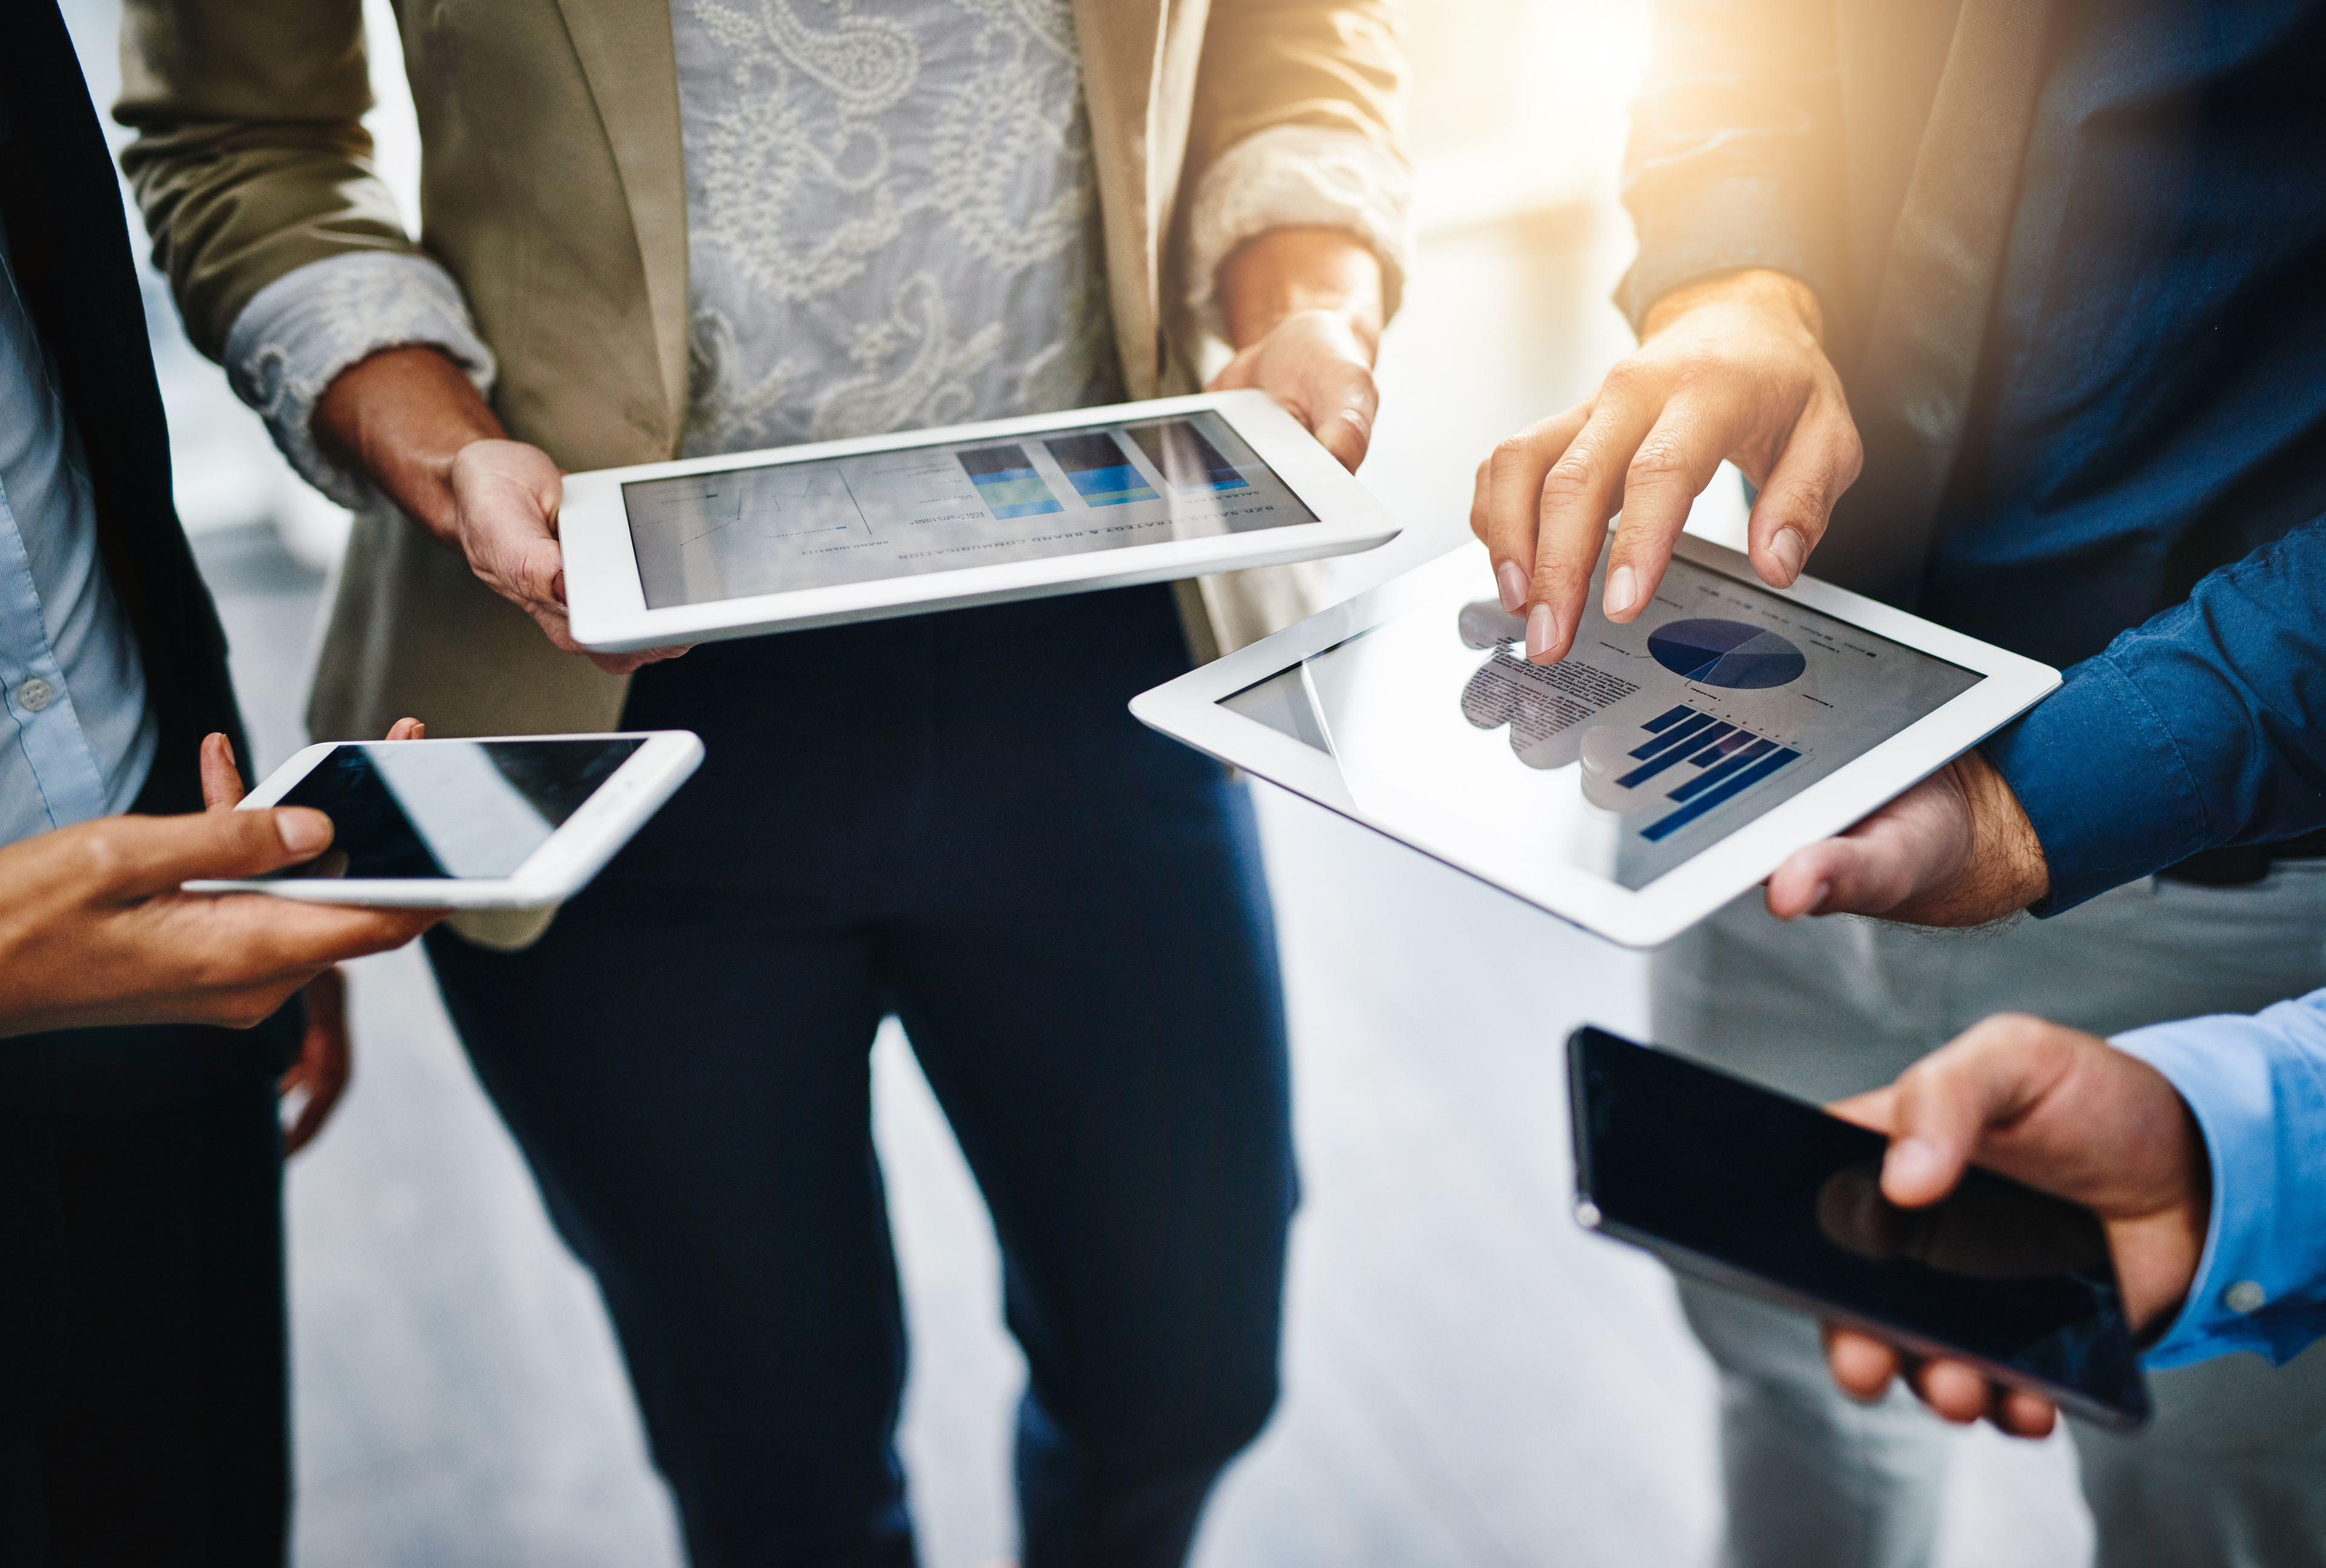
(76, 737)
(2257, 1086)
(2141, 491)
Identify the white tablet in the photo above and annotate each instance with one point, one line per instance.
(504, 822)
(1659, 770)
(854, 530)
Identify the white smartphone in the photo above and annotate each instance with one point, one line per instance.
(518, 822)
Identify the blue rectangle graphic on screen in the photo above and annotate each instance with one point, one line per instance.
(1680, 734)
(1710, 798)
(1696, 761)
(1098, 470)
(1008, 482)
(1187, 460)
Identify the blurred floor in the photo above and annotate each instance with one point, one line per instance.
(1470, 1380)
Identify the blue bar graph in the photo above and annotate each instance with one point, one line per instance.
(1754, 773)
(1713, 776)
(1704, 736)
(1728, 748)
(1685, 730)
(1648, 770)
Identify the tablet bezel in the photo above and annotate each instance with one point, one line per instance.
(606, 599)
(575, 851)
(1189, 709)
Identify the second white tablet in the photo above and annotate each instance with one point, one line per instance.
(844, 531)
(1661, 768)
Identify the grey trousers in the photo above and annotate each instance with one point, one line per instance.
(2232, 1471)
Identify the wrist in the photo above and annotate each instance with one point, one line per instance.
(1285, 272)
(402, 416)
(1773, 296)
(2005, 844)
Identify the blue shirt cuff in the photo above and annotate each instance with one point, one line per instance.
(2067, 759)
(2257, 1089)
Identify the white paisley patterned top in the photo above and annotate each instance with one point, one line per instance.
(892, 219)
(892, 222)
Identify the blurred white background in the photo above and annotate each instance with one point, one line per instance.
(1470, 1380)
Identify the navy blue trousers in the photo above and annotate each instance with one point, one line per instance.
(951, 819)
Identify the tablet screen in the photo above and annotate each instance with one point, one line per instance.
(441, 809)
(1646, 745)
(774, 528)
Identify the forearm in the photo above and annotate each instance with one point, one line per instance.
(1769, 298)
(401, 417)
(1286, 271)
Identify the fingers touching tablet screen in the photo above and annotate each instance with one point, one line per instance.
(1648, 743)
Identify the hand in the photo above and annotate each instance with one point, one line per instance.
(1304, 308)
(94, 930)
(1730, 369)
(2057, 1109)
(410, 418)
(326, 1060)
(1954, 850)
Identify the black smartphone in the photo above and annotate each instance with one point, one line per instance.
(1749, 1188)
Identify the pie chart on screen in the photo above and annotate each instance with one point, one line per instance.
(1727, 654)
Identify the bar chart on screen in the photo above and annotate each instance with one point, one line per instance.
(1008, 482)
(1722, 760)
(1098, 471)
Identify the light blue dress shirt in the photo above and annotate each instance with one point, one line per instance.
(2257, 1086)
(76, 738)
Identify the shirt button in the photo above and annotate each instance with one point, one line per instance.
(35, 694)
(2244, 1296)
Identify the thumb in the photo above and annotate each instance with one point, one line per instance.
(1868, 870)
(153, 855)
(1943, 1106)
(221, 779)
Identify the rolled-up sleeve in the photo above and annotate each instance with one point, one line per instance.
(1298, 177)
(1299, 122)
(2214, 712)
(2258, 1088)
(301, 330)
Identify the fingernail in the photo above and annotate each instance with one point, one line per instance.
(1790, 550)
(305, 831)
(1514, 585)
(1622, 589)
(1817, 895)
(1542, 630)
(1912, 1164)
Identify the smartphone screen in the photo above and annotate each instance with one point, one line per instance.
(448, 809)
(1731, 1181)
